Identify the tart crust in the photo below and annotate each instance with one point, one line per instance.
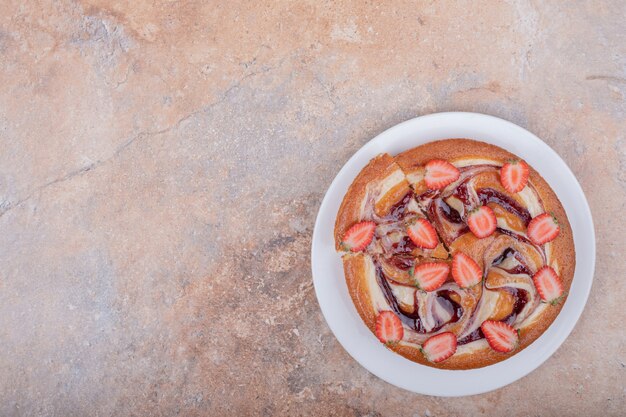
(381, 169)
(459, 152)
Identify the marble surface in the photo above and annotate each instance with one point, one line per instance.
(162, 163)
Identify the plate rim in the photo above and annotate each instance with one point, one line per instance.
(566, 327)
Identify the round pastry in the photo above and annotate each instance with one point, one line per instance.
(456, 253)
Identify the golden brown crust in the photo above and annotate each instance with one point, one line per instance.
(450, 150)
(350, 209)
(481, 358)
(355, 265)
(376, 170)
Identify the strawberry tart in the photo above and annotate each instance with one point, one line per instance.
(457, 254)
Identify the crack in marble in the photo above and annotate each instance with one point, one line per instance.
(605, 78)
(124, 80)
(5, 208)
(327, 90)
(63, 178)
(492, 87)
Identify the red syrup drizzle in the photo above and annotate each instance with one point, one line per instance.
(439, 208)
(473, 336)
(397, 213)
(489, 195)
(451, 214)
(521, 296)
(520, 301)
(515, 236)
(402, 261)
(426, 195)
(485, 196)
(517, 269)
(457, 310)
(462, 194)
(412, 320)
(398, 210)
(404, 246)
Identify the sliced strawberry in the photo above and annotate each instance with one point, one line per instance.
(423, 234)
(389, 328)
(549, 285)
(501, 336)
(465, 271)
(543, 229)
(514, 176)
(430, 276)
(482, 222)
(440, 173)
(358, 236)
(439, 347)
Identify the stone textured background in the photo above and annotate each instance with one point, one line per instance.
(162, 163)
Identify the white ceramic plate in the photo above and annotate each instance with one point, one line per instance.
(332, 292)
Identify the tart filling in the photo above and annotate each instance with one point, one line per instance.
(454, 257)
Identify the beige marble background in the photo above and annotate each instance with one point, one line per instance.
(162, 163)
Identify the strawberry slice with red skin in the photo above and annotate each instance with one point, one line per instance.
(514, 175)
(465, 270)
(423, 234)
(543, 228)
(549, 285)
(358, 236)
(389, 328)
(501, 336)
(440, 347)
(482, 221)
(430, 276)
(440, 173)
